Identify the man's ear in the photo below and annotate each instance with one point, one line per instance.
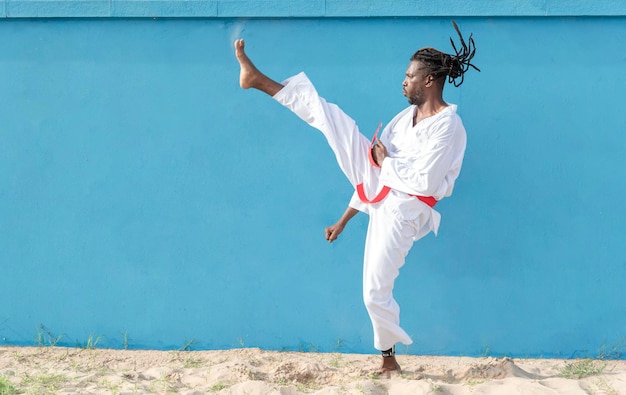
(429, 80)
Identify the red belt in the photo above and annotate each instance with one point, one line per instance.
(429, 200)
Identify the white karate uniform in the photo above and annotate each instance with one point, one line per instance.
(424, 160)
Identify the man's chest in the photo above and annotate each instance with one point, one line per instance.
(405, 139)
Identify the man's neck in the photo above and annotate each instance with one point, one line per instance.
(428, 109)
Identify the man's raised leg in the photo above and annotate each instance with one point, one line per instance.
(348, 144)
(250, 76)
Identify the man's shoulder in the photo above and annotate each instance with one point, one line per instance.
(448, 121)
(449, 114)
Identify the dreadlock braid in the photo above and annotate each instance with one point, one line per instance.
(440, 64)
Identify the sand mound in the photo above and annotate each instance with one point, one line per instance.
(494, 369)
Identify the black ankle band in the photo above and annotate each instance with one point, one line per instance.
(389, 353)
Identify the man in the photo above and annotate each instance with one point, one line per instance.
(398, 179)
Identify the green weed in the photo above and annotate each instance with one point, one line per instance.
(192, 362)
(218, 387)
(45, 338)
(187, 359)
(125, 340)
(44, 384)
(6, 388)
(90, 343)
(603, 386)
(339, 344)
(435, 388)
(302, 347)
(614, 351)
(188, 344)
(336, 361)
(582, 368)
(113, 388)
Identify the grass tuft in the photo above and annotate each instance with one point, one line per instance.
(614, 351)
(44, 384)
(45, 338)
(91, 343)
(582, 368)
(125, 341)
(218, 387)
(6, 388)
(188, 344)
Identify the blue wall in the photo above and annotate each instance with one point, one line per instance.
(143, 194)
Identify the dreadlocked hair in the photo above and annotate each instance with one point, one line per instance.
(441, 64)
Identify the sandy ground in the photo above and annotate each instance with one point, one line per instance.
(57, 370)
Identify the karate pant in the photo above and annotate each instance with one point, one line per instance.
(392, 227)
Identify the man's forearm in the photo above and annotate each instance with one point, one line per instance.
(347, 215)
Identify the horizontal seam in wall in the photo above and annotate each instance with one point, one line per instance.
(304, 8)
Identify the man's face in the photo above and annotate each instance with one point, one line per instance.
(414, 83)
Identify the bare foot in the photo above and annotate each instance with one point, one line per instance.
(250, 76)
(390, 365)
(248, 72)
